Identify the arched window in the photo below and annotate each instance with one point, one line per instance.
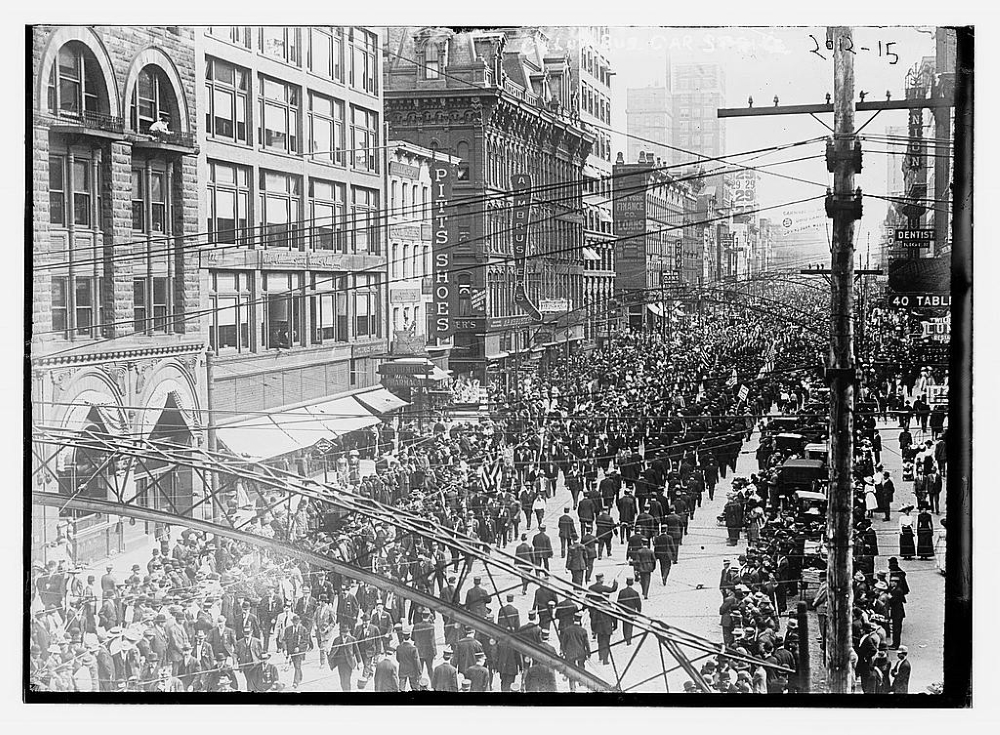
(464, 294)
(152, 100)
(433, 60)
(76, 84)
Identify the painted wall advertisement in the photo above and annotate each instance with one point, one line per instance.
(443, 176)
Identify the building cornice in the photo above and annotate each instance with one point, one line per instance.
(129, 353)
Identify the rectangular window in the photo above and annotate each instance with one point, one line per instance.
(367, 306)
(232, 302)
(328, 308)
(81, 192)
(280, 116)
(280, 210)
(282, 318)
(60, 303)
(86, 305)
(326, 129)
(138, 200)
(365, 221)
(326, 52)
(281, 43)
(364, 45)
(161, 302)
(140, 311)
(364, 139)
(240, 35)
(229, 204)
(228, 101)
(57, 191)
(326, 202)
(158, 201)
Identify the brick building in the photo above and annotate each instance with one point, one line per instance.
(293, 165)
(658, 242)
(500, 102)
(592, 99)
(117, 343)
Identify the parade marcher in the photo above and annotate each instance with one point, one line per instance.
(445, 678)
(602, 625)
(345, 657)
(386, 678)
(644, 564)
(525, 556)
(576, 562)
(409, 664)
(665, 551)
(575, 645)
(607, 529)
(567, 531)
(542, 546)
(296, 645)
(630, 598)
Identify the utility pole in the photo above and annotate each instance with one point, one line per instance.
(844, 208)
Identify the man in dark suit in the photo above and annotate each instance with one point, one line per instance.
(628, 509)
(630, 598)
(576, 563)
(544, 604)
(601, 624)
(530, 631)
(345, 656)
(478, 675)
(542, 545)
(575, 645)
(424, 639)
(223, 638)
(445, 677)
(525, 554)
(664, 550)
(901, 672)
(296, 645)
(267, 612)
(408, 659)
(386, 673)
(508, 617)
(606, 530)
(644, 562)
(585, 511)
(477, 598)
(465, 652)
(109, 585)
(247, 624)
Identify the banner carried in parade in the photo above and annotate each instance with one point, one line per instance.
(491, 476)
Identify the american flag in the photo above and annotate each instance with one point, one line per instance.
(491, 475)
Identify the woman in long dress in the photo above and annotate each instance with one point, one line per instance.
(906, 546)
(925, 535)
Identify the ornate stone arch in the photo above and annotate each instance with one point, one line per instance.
(169, 378)
(85, 35)
(153, 56)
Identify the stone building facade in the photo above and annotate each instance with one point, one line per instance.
(117, 343)
(500, 103)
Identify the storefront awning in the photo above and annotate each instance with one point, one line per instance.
(437, 374)
(382, 401)
(264, 437)
(655, 309)
(590, 254)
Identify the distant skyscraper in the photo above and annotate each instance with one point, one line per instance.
(650, 120)
(697, 91)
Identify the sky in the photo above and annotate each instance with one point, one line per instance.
(764, 62)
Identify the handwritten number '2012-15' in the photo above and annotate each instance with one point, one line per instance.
(850, 47)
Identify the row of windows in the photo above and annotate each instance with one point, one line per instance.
(319, 49)
(596, 103)
(405, 318)
(77, 300)
(285, 117)
(409, 262)
(292, 310)
(279, 212)
(414, 202)
(596, 66)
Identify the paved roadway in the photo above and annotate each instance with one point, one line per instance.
(690, 600)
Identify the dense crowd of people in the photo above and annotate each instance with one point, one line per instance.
(638, 431)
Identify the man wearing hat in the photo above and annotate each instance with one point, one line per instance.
(409, 661)
(369, 644)
(576, 563)
(542, 547)
(900, 672)
(445, 678)
(177, 637)
(629, 597)
(425, 640)
(476, 598)
(345, 657)
(296, 644)
(478, 675)
(386, 673)
(644, 562)
(525, 555)
(109, 585)
(223, 638)
(575, 644)
(466, 650)
(189, 670)
(508, 616)
(602, 625)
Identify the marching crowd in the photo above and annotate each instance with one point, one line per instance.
(638, 431)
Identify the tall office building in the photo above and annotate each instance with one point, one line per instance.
(649, 120)
(293, 163)
(698, 91)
